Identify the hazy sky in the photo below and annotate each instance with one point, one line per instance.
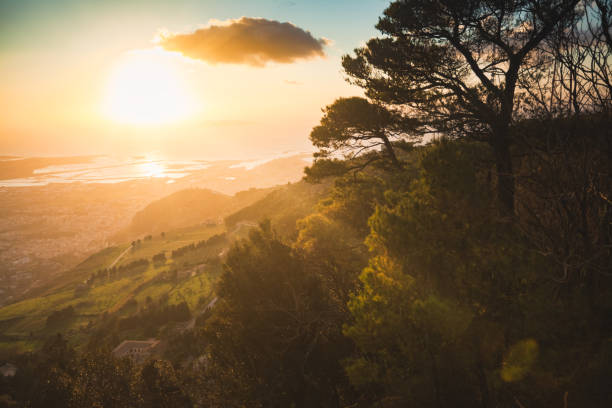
(111, 76)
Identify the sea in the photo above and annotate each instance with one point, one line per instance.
(109, 169)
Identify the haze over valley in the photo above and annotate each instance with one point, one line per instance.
(56, 211)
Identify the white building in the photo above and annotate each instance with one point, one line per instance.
(137, 350)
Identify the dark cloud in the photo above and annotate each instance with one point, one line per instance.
(250, 41)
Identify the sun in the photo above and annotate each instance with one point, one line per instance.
(146, 88)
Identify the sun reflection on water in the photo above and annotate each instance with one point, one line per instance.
(152, 169)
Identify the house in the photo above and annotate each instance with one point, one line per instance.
(137, 350)
(8, 370)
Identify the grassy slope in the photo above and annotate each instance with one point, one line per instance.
(19, 320)
(171, 241)
(180, 209)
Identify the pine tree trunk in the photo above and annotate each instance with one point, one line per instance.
(389, 150)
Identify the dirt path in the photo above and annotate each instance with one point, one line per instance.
(121, 255)
(209, 306)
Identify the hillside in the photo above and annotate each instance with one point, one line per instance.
(117, 280)
(282, 206)
(123, 281)
(186, 208)
(180, 209)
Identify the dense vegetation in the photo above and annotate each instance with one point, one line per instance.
(60, 377)
(472, 269)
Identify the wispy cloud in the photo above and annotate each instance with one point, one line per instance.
(248, 41)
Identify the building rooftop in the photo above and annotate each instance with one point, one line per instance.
(131, 346)
(8, 370)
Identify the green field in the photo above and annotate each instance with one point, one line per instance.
(23, 325)
(171, 241)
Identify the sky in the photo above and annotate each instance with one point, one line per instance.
(191, 79)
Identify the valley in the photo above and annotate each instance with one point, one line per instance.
(46, 229)
(150, 269)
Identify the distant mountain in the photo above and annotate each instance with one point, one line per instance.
(189, 207)
(180, 209)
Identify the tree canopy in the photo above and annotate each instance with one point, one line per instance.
(458, 66)
(355, 125)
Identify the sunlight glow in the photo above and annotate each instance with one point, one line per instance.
(145, 88)
(152, 169)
